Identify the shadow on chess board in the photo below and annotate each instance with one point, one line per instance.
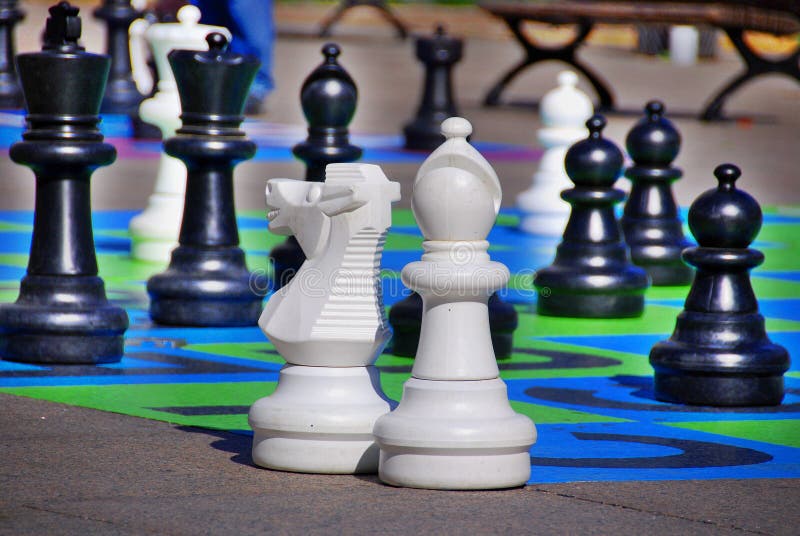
(586, 383)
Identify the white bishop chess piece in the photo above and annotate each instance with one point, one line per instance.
(564, 112)
(154, 232)
(454, 427)
(328, 324)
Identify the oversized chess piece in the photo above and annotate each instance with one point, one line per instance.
(719, 353)
(62, 315)
(650, 222)
(10, 90)
(121, 96)
(328, 324)
(564, 112)
(592, 275)
(154, 232)
(328, 97)
(439, 54)
(207, 282)
(454, 427)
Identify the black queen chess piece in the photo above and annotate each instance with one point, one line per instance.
(592, 275)
(328, 97)
(439, 53)
(62, 315)
(207, 282)
(10, 90)
(719, 353)
(650, 222)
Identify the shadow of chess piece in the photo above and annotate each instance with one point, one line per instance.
(592, 276)
(719, 353)
(10, 90)
(207, 282)
(62, 315)
(328, 97)
(439, 53)
(650, 222)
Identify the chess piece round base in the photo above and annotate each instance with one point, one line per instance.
(319, 420)
(455, 435)
(62, 320)
(405, 318)
(206, 288)
(704, 389)
(662, 275)
(564, 293)
(154, 232)
(425, 133)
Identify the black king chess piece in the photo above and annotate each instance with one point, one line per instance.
(719, 353)
(592, 276)
(207, 282)
(650, 222)
(62, 314)
(439, 53)
(10, 91)
(328, 97)
(121, 96)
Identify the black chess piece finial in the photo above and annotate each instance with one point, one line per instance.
(328, 97)
(10, 90)
(650, 222)
(592, 275)
(439, 53)
(62, 314)
(121, 96)
(207, 282)
(719, 353)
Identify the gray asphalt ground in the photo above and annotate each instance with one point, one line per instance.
(68, 470)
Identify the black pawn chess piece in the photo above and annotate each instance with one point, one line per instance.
(10, 90)
(207, 282)
(121, 96)
(62, 314)
(439, 53)
(650, 222)
(719, 353)
(328, 97)
(592, 276)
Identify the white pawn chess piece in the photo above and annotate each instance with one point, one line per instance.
(454, 427)
(328, 324)
(154, 232)
(564, 112)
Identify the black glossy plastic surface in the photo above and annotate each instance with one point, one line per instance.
(121, 96)
(10, 89)
(592, 275)
(62, 315)
(207, 282)
(719, 353)
(650, 222)
(439, 53)
(328, 97)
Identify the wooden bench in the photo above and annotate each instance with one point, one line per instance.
(779, 17)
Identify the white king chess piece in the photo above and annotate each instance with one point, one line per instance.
(564, 112)
(154, 232)
(454, 427)
(328, 324)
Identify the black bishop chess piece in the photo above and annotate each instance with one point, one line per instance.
(719, 353)
(650, 222)
(62, 315)
(121, 96)
(439, 54)
(207, 282)
(10, 90)
(328, 97)
(592, 275)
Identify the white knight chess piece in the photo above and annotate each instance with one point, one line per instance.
(328, 324)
